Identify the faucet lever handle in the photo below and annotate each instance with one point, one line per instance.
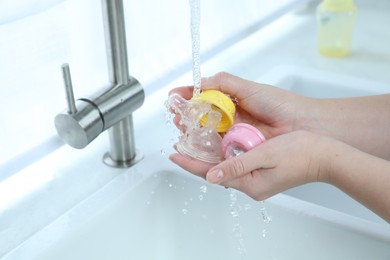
(68, 88)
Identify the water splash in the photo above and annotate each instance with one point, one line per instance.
(169, 118)
(203, 191)
(186, 203)
(267, 219)
(247, 207)
(237, 230)
(195, 36)
(264, 214)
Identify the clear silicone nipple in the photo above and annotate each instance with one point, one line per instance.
(197, 141)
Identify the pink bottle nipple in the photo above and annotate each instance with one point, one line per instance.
(239, 139)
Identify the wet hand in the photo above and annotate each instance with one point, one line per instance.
(280, 163)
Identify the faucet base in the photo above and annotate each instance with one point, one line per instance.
(122, 164)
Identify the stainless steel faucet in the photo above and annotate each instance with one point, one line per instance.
(110, 108)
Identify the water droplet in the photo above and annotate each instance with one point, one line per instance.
(237, 229)
(233, 195)
(235, 100)
(200, 197)
(203, 188)
(264, 233)
(234, 213)
(168, 114)
(163, 152)
(170, 185)
(267, 219)
(184, 211)
(241, 249)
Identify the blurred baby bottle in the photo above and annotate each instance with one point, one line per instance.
(335, 23)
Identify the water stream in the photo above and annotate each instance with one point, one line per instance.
(195, 36)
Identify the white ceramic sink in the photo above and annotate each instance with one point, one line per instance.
(321, 84)
(171, 216)
(156, 211)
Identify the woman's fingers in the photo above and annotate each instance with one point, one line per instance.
(194, 166)
(230, 84)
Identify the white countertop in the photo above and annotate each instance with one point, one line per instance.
(292, 40)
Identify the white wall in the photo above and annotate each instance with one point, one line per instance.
(36, 37)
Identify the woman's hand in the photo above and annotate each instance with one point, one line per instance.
(272, 110)
(292, 156)
(280, 163)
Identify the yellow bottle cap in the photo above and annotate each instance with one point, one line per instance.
(220, 102)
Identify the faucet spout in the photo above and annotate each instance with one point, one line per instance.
(115, 33)
(110, 108)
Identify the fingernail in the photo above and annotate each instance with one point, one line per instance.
(214, 176)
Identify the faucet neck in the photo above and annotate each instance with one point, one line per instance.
(115, 34)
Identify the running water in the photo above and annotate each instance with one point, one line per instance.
(237, 230)
(267, 219)
(195, 36)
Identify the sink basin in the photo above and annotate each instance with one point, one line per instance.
(171, 215)
(155, 210)
(321, 84)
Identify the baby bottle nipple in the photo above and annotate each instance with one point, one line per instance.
(221, 103)
(190, 112)
(203, 143)
(201, 119)
(239, 139)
